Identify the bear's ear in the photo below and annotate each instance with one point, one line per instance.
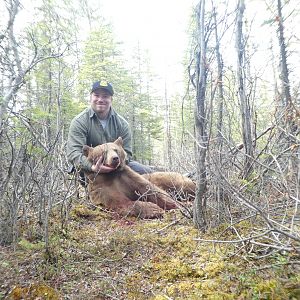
(86, 150)
(119, 141)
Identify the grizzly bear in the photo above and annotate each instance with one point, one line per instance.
(175, 184)
(122, 189)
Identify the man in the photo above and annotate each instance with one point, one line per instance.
(96, 125)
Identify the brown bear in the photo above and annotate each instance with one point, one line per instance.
(125, 191)
(176, 184)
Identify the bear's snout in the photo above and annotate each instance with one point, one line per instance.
(114, 161)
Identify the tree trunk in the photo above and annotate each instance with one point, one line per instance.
(220, 138)
(290, 123)
(201, 123)
(283, 54)
(168, 129)
(15, 76)
(244, 100)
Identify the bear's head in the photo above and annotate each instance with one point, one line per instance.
(111, 154)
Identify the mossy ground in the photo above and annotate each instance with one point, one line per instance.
(100, 256)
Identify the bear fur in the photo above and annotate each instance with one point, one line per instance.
(175, 184)
(123, 190)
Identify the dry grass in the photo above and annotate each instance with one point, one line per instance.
(100, 256)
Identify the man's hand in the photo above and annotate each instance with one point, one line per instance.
(100, 168)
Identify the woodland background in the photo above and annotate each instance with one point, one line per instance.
(234, 126)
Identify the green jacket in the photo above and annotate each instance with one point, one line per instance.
(86, 129)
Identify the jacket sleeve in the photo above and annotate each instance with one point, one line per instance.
(127, 140)
(77, 138)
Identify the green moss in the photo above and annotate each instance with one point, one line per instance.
(193, 290)
(31, 246)
(34, 291)
(174, 269)
(134, 286)
(270, 289)
(126, 258)
(82, 211)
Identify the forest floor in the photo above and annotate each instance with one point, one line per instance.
(100, 256)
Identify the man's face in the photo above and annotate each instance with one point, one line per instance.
(101, 102)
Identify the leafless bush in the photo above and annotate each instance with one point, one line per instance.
(33, 181)
(268, 200)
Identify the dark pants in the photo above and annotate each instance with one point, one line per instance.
(139, 168)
